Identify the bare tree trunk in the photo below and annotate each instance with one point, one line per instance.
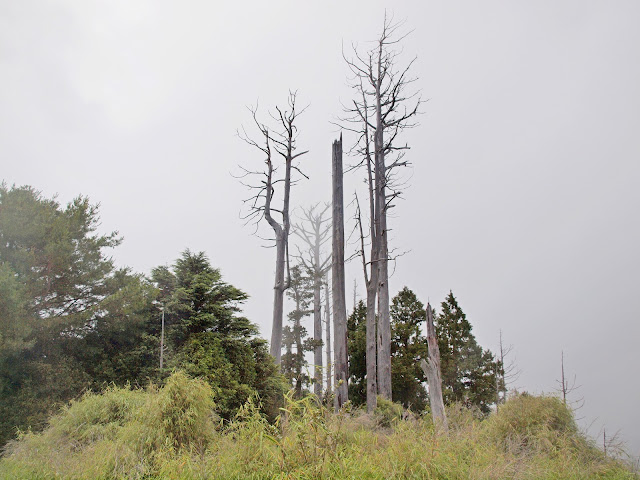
(341, 359)
(327, 319)
(372, 289)
(564, 382)
(278, 300)
(355, 293)
(384, 316)
(384, 325)
(372, 384)
(299, 348)
(431, 369)
(317, 328)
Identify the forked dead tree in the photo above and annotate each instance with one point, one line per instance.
(506, 371)
(567, 387)
(431, 368)
(370, 272)
(277, 143)
(314, 231)
(381, 110)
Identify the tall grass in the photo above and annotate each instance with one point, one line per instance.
(173, 433)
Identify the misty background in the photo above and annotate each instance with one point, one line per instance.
(522, 197)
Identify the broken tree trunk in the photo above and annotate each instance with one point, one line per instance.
(341, 362)
(431, 368)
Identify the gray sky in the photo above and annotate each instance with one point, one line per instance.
(522, 196)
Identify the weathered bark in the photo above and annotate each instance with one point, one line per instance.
(283, 143)
(379, 116)
(317, 330)
(341, 359)
(431, 368)
(384, 315)
(278, 301)
(299, 349)
(372, 289)
(372, 383)
(327, 343)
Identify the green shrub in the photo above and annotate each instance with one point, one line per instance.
(121, 433)
(387, 413)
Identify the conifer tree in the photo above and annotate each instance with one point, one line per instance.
(209, 338)
(295, 338)
(468, 372)
(408, 346)
(61, 301)
(357, 348)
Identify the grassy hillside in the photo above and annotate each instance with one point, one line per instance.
(174, 433)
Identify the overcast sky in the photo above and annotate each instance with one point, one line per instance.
(522, 198)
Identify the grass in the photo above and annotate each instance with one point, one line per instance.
(174, 433)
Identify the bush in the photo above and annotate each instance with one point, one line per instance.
(180, 415)
(121, 433)
(530, 421)
(387, 413)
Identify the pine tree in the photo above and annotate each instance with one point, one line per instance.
(408, 346)
(468, 372)
(208, 338)
(357, 348)
(58, 289)
(295, 336)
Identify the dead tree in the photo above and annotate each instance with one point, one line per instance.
(431, 368)
(567, 387)
(279, 143)
(370, 281)
(314, 232)
(380, 112)
(341, 358)
(327, 320)
(506, 372)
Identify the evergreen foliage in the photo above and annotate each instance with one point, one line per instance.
(357, 349)
(70, 321)
(408, 346)
(295, 339)
(209, 339)
(468, 371)
(64, 307)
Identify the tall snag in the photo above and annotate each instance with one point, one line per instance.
(381, 110)
(327, 320)
(341, 359)
(431, 368)
(281, 142)
(371, 283)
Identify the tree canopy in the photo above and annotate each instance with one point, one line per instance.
(71, 321)
(63, 305)
(209, 338)
(468, 371)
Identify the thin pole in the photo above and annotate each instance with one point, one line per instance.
(162, 341)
